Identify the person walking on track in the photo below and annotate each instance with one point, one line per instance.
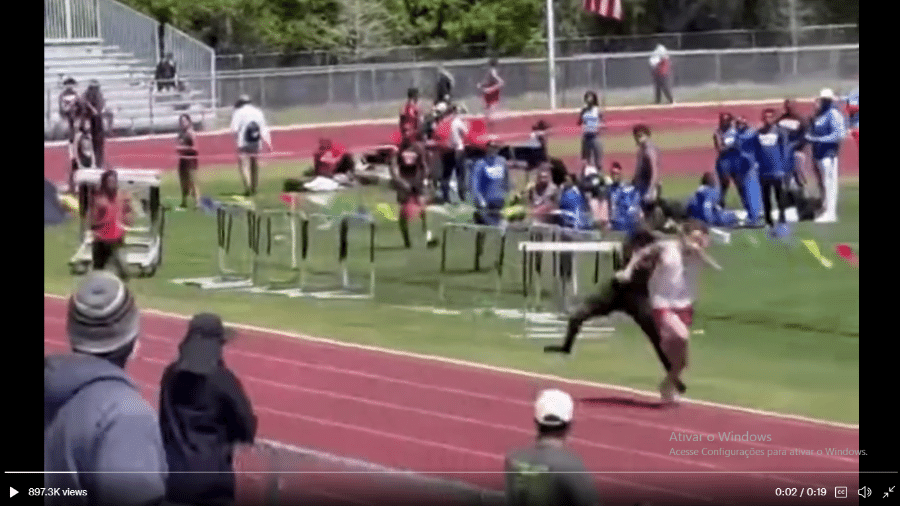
(490, 88)
(203, 413)
(249, 125)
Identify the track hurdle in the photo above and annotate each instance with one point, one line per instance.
(278, 237)
(325, 283)
(481, 234)
(234, 255)
(538, 323)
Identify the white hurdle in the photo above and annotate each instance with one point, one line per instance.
(541, 324)
(144, 242)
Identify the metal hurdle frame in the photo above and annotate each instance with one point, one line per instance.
(550, 327)
(227, 277)
(478, 229)
(346, 290)
(147, 239)
(262, 238)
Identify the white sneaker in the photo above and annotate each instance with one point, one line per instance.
(826, 218)
(667, 392)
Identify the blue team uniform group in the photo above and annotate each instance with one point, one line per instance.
(762, 160)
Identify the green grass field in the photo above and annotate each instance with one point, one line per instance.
(781, 332)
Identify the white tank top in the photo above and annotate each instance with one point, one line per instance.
(673, 283)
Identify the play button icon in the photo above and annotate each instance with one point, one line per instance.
(12, 492)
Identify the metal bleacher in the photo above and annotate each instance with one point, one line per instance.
(110, 43)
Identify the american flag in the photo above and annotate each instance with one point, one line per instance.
(605, 8)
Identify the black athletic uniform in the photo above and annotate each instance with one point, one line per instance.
(632, 298)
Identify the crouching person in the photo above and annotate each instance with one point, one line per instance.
(204, 413)
(706, 205)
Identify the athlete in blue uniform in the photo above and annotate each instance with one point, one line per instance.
(746, 175)
(826, 133)
(773, 153)
(724, 140)
(490, 184)
(706, 205)
(574, 211)
(624, 203)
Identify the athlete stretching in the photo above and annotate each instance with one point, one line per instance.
(673, 288)
(630, 297)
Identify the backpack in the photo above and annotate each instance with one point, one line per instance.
(252, 133)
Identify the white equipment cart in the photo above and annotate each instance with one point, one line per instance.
(143, 240)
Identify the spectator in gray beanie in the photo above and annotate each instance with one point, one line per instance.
(100, 435)
(203, 414)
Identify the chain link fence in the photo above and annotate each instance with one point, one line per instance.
(719, 39)
(377, 90)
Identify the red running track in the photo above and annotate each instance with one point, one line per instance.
(296, 143)
(457, 421)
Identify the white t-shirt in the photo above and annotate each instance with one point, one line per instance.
(673, 283)
(458, 131)
(243, 117)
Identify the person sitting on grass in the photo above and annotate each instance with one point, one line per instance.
(705, 205)
(408, 175)
(332, 167)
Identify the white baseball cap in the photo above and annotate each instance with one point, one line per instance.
(827, 93)
(553, 407)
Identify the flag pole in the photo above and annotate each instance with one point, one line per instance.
(551, 53)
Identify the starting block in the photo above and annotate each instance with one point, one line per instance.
(143, 241)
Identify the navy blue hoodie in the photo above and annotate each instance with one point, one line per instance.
(203, 413)
(95, 420)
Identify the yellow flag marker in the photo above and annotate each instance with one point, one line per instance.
(814, 249)
(387, 211)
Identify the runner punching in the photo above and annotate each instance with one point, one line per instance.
(408, 172)
(631, 297)
(673, 289)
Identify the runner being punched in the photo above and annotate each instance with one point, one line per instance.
(673, 289)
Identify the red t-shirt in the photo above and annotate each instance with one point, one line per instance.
(442, 132)
(410, 115)
(664, 67)
(327, 161)
(109, 218)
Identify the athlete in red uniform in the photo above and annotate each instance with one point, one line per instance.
(490, 88)
(410, 113)
(673, 290)
(408, 175)
(111, 213)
